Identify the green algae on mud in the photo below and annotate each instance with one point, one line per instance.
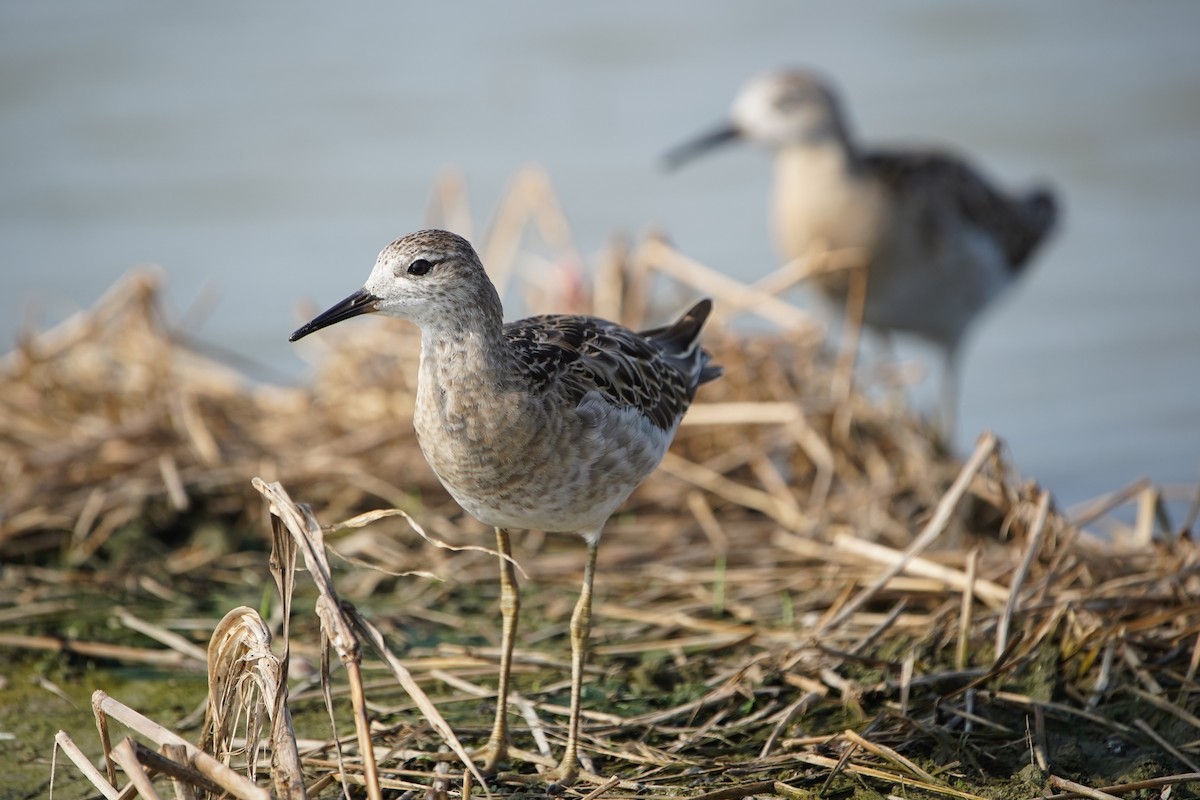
(726, 735)
(43, 695)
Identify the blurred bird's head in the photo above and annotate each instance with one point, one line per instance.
(775, 109)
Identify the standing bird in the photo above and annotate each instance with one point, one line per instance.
(547, 423)
(938, 241)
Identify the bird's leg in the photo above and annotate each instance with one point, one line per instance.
(581, 628)
(948, 399)
(496, 749)
(896, 376)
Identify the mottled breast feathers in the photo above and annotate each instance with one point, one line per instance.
(655, 373)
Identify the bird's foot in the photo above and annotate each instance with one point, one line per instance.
(563, 775)
(490, 755)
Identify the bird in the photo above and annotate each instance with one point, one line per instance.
(547, 423)
(939, 242)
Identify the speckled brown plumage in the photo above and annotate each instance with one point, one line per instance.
(650, 372)
(546, 423)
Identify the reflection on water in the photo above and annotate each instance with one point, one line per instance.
(268, 154)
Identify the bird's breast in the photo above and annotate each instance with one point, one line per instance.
(519, 461)
(820, 206)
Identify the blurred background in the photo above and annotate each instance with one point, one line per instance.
(264, 152)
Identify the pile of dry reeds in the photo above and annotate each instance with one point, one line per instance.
(808, 598)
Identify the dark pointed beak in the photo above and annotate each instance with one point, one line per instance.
(361, 302)
(685, 152)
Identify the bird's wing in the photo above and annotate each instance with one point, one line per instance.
(938, 182)
(580, 355)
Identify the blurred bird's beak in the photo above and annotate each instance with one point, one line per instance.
(688, 150)
(361, 302)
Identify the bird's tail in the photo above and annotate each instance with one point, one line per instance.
(1034, 217)
(680, 341)
(1042, 205)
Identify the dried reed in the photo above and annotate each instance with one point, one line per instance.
(809, 597)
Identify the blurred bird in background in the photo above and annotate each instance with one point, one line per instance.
(938, 241)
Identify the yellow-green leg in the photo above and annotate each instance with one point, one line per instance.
(581, 627)
(496, 749)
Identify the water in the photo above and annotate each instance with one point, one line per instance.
(267, 151)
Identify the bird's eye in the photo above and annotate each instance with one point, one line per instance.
(420, 267)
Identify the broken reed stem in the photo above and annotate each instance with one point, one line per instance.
(1163, 704)
(306, 531)
(105, 740)
(988, 592)
(1080, 789)
(1167, 747)
(845, 764)
(941, 518)
(171, 639)
(1193, 514)
(964, 616)
(888, 754)
(214, 770)
(1118, 789)
(1034, 547)
(785, 513)
(736, 792)
(173, 762)
(343, 619)
(843, 371)
(104, 650)
(375, 638)
(124, 755)
(661, 257)
(528, 198)
(106, 787)
(744, 413)
(447, 206)
(1088, 512)
(362, 727)
(797, 270)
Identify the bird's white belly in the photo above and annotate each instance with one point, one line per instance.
(563, 472)
(935, 292)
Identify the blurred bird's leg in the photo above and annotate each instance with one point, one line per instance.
(947, 411)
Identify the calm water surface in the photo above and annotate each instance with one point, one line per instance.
(267, 151)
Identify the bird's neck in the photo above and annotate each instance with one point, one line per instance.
(465, 397)
(809, 179)
(464, 353)
(822, 200)
(829, 153)
(470, 357)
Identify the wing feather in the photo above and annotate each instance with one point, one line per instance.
(1017, 225)
(576, 355)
